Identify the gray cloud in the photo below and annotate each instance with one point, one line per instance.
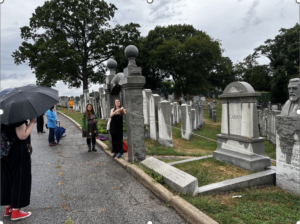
(240, 25)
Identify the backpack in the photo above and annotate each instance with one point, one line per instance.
(125, 146)
(5, 142)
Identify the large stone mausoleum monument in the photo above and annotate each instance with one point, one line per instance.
(239, 142)
(288, 141)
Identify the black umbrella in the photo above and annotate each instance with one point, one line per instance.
(26, 102)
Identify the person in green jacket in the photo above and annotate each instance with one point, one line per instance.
(89, 127)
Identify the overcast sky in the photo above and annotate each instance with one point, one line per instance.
(240, 25)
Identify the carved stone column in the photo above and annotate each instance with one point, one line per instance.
(133, 103)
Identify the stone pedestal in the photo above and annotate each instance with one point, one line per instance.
(288, 153)
(239, 142)
(133, 101)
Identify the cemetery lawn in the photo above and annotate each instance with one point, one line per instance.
(209, 171)
(269, 205)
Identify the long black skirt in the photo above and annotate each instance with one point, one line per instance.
(92, 131)
(16, 177)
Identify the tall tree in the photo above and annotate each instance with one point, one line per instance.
(69, 40)
(185, 54)
(283, 52)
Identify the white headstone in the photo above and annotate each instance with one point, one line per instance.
(164, 123)
(185, 122)
(154, 99)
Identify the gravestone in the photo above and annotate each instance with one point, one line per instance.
(178, 180)
(164, 123)
(275, 107)
(185, 122)
(175, 112)
(239, 142)
(194, 120)
(196, 98)
(154, 99)
(145, 109)
(103, 103)
(214, 114)
(203, 99)
(171, 98)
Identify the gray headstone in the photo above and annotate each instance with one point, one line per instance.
(239, 142)
(154, 99)
(185, 122)
(164, 123)
(178, 180)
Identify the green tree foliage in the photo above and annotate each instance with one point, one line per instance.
(185, 54)
(283, 52)
(69, 40)
(188, 56)
(250, 71)
(222, 73)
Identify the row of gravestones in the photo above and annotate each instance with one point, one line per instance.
(160, 115)
(97, 100)
(267, 123)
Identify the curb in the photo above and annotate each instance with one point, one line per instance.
(186, 210)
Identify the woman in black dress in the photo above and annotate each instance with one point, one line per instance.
(16, 171)
(116, 128)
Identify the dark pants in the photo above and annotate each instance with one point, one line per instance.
(40, 123)
(117, 143)
(16, 177)
(51, 135)
(88, 141)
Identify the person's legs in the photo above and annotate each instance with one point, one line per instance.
(120, 146)
(94, 143)
(88, 142)
(20, 163)
(51, 136)
(114, 145)
(38, 124)
(6, 186)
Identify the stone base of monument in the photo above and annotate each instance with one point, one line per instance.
(287, 153)
(242, 152)
(164, 142)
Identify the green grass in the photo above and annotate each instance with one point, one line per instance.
(269, 205)
(209, 171)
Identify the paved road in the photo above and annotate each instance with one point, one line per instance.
(71, 184)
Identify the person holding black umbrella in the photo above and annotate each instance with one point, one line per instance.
(51, 124)
(89, 127)
(16, 166)
(19, 105)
